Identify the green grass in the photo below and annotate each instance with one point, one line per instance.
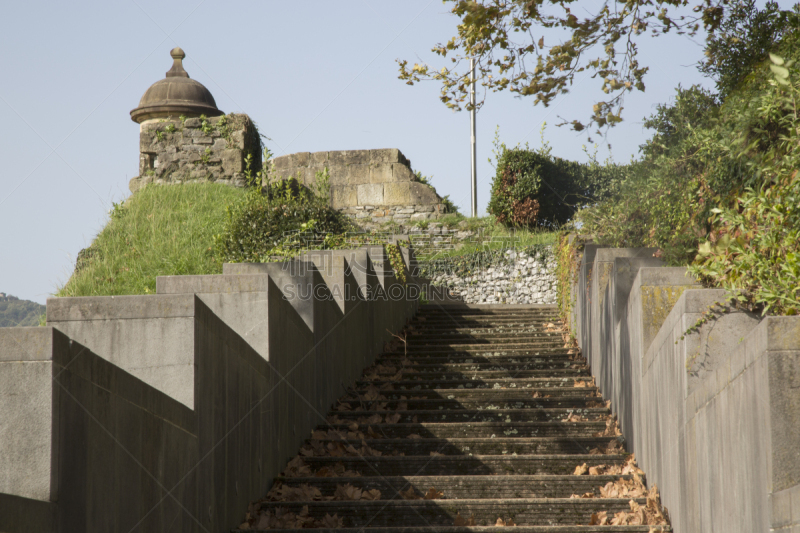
(158, 231)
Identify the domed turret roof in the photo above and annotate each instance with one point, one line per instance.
(175, 95)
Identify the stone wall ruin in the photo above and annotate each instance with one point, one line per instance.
(372, 186)
(196, 149)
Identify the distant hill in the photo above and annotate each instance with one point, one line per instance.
(16, 312)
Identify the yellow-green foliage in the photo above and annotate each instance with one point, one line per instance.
(159, 231)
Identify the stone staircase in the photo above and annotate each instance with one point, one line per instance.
(475, 418)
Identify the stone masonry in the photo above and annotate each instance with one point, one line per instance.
(518, 278)
(372, 186)
(197, 149)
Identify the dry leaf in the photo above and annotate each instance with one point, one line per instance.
(372, 494)
(437, 454)
(410, 494)
(347, 492)
(393, 418)
(460, 521)
(581, 470)
(599, 519)
(595, 470)
(414, 436)
(331, 522)
(433, 494)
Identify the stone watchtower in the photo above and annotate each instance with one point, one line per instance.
(184, 137)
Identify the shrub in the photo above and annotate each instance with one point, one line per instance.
(278, 221)
(533, 188)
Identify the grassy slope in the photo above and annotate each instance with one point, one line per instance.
(160, 231)
(169, 230)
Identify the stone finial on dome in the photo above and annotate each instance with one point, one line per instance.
(177, 66)
(175, 95)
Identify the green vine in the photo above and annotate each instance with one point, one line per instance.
(397, 261)
(568, 258)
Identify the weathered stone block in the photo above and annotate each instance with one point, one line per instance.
(318, 159)
(349, 175)
(232, 161)
(401, 172)
(387, 155)
(422, 194)
(344, 196)
(348, 157)
(380, 173)
(191, 123)
(370, 194)
(283, 161)
(300, 159)
(396, 193)
(203, 140)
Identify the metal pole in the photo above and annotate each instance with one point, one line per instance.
(474, 151)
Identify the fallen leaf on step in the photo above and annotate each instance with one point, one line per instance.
(414, 436)
(347, 492)
(584, 495)
(374, 419)
(581, 384)
(410, 494)
(297, 468)
(461, 521)
(595, 471)
(581, 470)
(393, 418)
(573, 418)
(372, 494)
(331, 522)
(599, 519)
(437, 454)
(353, 426)
(434, 494)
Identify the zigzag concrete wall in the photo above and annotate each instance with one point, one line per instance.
(712, 414)
(172, 412)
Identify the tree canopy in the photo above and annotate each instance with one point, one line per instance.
(505, 38)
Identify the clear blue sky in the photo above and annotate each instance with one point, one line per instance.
(314, 75)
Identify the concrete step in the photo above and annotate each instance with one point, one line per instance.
(500, 445)
(465, 403)
(484, 364)
(483, 529)
(524, 511)
(436, 338)
(474, 415)
(470, 383)
(464, 487)
(490, 394)
(480, 347)
(472, 465)
(553, 374)
(469, 429)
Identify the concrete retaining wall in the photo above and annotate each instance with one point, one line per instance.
(712, 414)
(172, 412)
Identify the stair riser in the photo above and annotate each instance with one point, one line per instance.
(499, 446)
(465, 487)
(464, 465)
(499, 415)
(443, 512)
(481, 384)
(455, 405)
(461, 430)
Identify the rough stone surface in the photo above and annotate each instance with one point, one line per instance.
(194, 150)
(517, 278)
(379, 180)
